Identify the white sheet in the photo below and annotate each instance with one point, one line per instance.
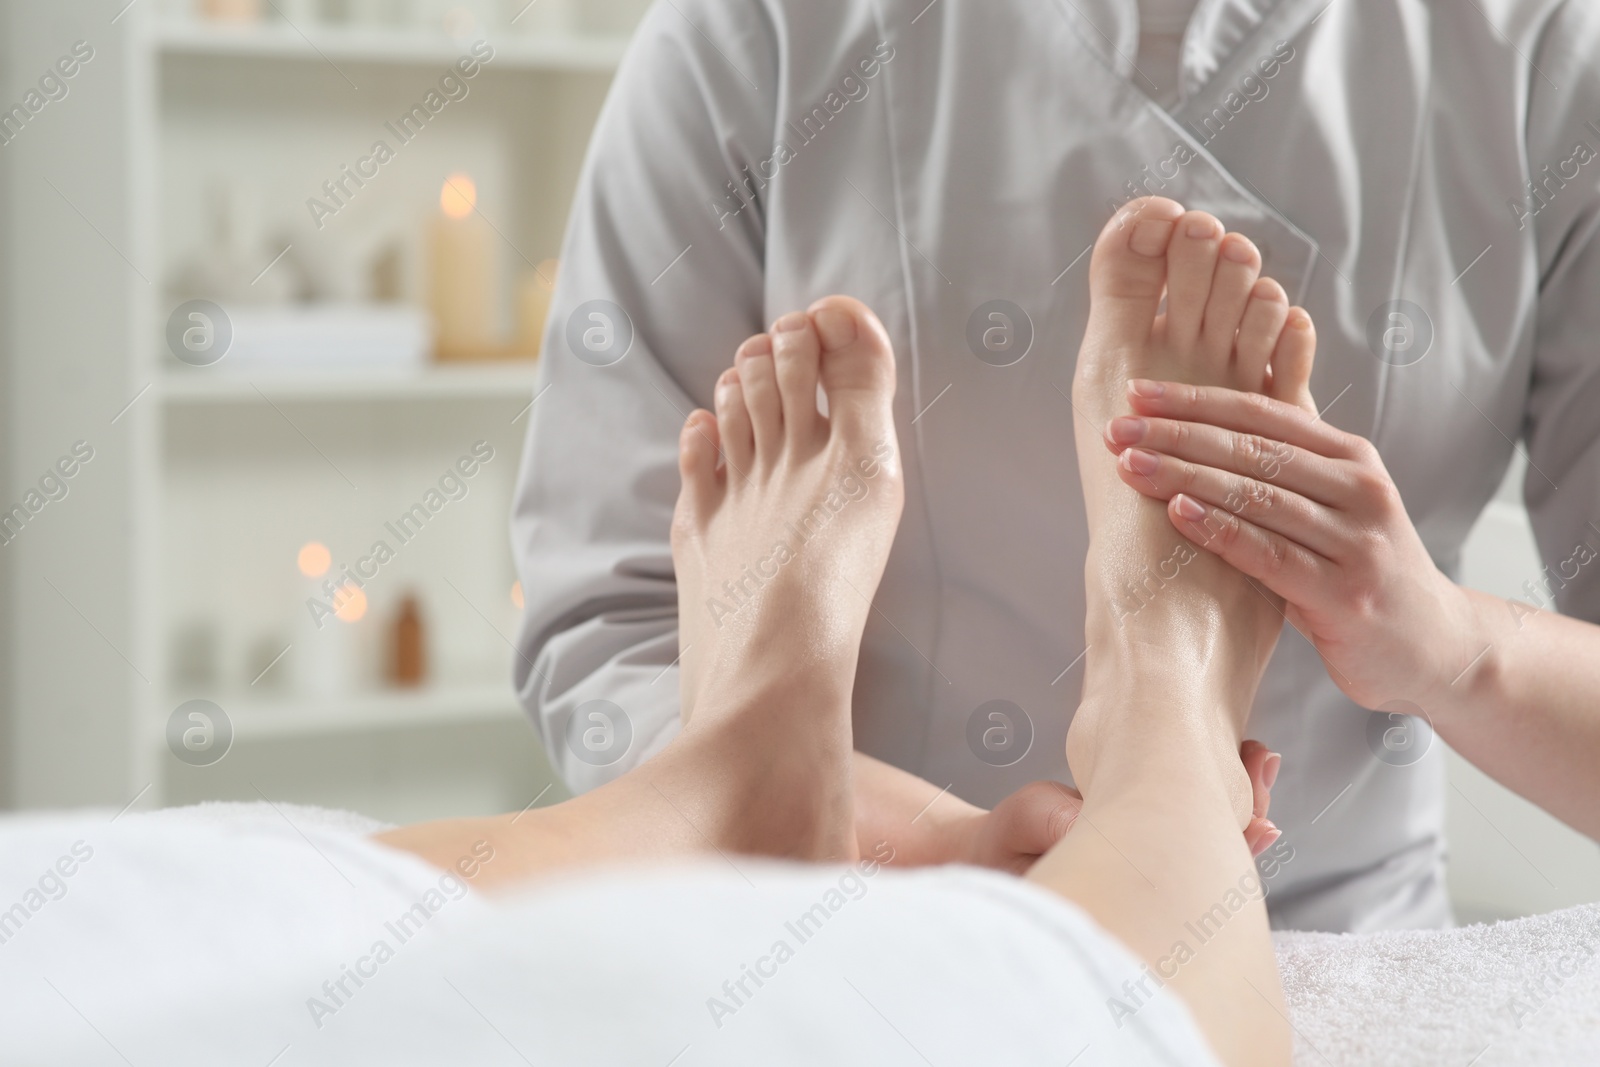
(205, 936)
(183, 939)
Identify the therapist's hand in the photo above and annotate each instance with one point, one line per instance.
(1028, 823)
(1310, 512)
(918, 824)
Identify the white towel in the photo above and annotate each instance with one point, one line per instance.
(1519, 992)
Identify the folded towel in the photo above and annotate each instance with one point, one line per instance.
(1519, 992)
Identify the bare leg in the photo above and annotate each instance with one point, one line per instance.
(1177, 641)
(778, 553)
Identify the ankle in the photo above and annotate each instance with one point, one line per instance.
(1202, 664)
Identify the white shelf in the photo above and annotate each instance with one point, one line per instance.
(259, 386)
(386, 46)
(290, 717)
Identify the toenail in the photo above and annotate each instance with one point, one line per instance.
(1126, 431)
(1267, 289)
(1150, 237)
(1201, 227)
(1239, 250)
(729, 377)
(759, 345)
(1147, 389)
(1141, 462)
(790, 322)
(838, 328)
(1189, 508)
(1300, 320)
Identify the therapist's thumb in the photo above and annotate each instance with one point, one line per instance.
(1031, 820)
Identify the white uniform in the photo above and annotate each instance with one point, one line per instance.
(932, 159)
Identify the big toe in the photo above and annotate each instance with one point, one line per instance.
(857, 366)
(1128, 271)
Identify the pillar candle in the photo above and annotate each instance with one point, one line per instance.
(464, 286)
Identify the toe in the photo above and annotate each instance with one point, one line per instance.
(1191, 263)
(857, 363)
(733, 427)
(795, 351)
(1238, 267)
(759, 378)
(1128, 271)
(697, 463)
(1263, 321)
(1292, 361)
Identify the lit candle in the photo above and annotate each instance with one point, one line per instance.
(325, 654)
(464, 283)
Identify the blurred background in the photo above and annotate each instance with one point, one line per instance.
(273, 280)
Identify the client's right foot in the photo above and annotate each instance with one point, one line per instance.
(1157, 606)
(778, 550)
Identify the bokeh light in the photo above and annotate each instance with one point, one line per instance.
(351, 604)
(458, 196)
(314, 559)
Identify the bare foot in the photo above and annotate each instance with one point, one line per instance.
(1151, 595)
(779, 549)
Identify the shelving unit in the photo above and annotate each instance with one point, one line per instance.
(487, 382)
(207, 479)
(395, 710)
(569, 52)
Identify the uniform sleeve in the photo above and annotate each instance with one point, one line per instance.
(1562, 428)
(661, 278)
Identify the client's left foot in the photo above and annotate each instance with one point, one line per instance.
(778, 551)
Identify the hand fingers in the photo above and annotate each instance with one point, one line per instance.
(1289, 569)
(1311, 475)
(1260, 835)
(1261, 764)
(1268, 506)
(1244, 412)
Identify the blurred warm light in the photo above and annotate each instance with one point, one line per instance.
(351, 604)
(458, 196)
(516, 594)
(314, 559)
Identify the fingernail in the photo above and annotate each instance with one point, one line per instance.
(1125, 430)
(1271, 838)
(1269, 771)
(1140, 462)
(1146, 388)
(790, 322)
(1240, 250)
(1189, 508)
(1151, 237)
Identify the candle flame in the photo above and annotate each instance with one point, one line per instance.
(458, 196)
